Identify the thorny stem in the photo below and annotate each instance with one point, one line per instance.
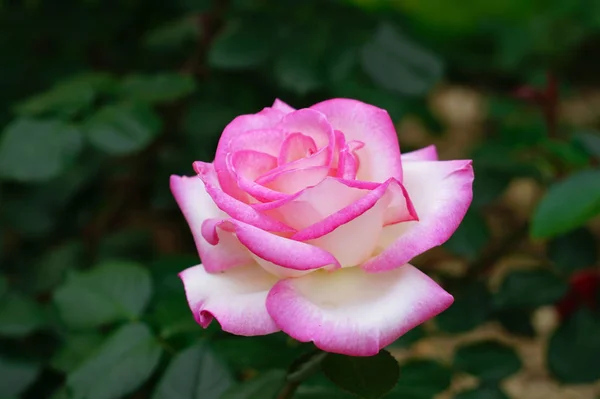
(288, 390)
(300, 370)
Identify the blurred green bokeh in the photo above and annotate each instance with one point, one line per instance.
(100, 101)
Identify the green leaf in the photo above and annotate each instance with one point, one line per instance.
(298, 64)
(573, 251)
(173, 34)
(485, 392)
(19, 316)
(517, 321)
(16, 376)
(122, 129)
(242, 44)
(569, 153)
(471, 236)
(197, 5)
(395, 63)
(422, 379)
(132, 244)
(28, 214)
(123, 363)
(367, 377)
(259, 353)
(264, 386)
(590, 142)
(204, 120)
(3, 286)
(564, 208)
(110, 292)
(50, 270)
(75, 350)
(318, 386)
(156, 89)
(37, 150)
(574, 349)
(316, 392)
(61, 393)
(66, 99)
(471, 307)
(195, 373)
(530, 289)
(490, 361)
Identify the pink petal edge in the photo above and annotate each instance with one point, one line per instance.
(380, 158)
(282, 106)
(352, 312)
(281, 251)
(428, 153)
(233, 207)
(441, 192)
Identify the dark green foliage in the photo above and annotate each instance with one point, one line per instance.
(568, 204)
(101, 102)
(420, 379)
(367, 377)
(530, 289)
(488, 360)
(574, 349)
(472, 307)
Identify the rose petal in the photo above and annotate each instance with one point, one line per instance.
(233, 207)
(249, 132)
(294, 180)
(321, 158)
(428, 153)
(246, 166)
(310, 123)
(380, 158)
(441, 193)
(349, 213)
(348, 162)
(296, 146)
(251, 164)
(352, 312)
(236, 298)
(281, 251)
(265, 120)
(197, 208)
(215, 230)
(267, 141)
(283, 107)
(315, 203)
(351, 234)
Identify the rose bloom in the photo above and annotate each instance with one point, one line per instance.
(306, 221)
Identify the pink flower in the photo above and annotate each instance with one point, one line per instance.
(306, 221)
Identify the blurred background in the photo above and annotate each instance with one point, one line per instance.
(100, 101)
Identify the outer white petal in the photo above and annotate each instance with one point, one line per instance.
(236, 298)
(352, 312)
(197, 207)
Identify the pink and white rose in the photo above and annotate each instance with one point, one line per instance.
(306, 221)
